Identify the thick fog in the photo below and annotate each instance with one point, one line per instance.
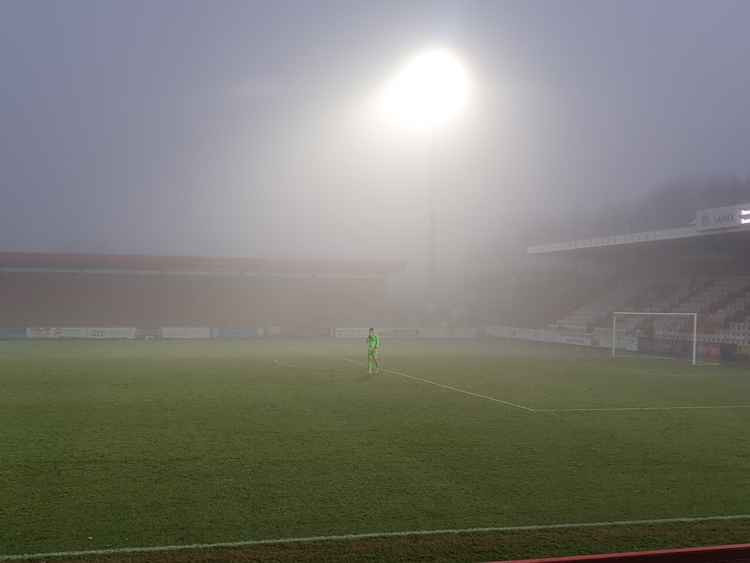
(250, 128)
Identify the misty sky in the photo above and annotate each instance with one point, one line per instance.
(244, 128)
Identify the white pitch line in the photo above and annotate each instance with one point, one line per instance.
(449, 387)
(624, 409)
(371, 535)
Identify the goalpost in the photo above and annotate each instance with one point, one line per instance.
(616, 314)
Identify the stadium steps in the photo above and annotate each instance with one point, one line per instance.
(596, 312)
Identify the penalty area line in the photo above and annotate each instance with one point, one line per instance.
(449, 387)
(370, 535)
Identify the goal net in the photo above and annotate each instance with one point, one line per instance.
(660, 334)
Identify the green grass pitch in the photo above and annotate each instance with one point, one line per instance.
(108, 445)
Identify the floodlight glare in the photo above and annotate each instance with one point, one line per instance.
(428, 91)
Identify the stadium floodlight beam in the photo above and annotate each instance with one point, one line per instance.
(429, 91)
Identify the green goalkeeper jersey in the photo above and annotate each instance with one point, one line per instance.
(373, 343)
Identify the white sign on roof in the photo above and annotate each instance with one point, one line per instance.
(723, 217)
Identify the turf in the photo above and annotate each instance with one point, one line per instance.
(158, 443)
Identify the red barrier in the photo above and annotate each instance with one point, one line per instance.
(715, 554)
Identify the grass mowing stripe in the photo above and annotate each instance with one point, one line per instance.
(279, 364)
(449, 387)
(623, 409)
(370, 535)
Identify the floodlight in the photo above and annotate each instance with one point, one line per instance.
(428, 91)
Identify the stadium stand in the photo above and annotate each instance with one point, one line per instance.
(700, 268)
(148, 292)
(721, 301)
(715, 298)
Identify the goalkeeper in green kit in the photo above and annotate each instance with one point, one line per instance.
(373, 346)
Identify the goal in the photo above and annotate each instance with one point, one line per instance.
(690, 332)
